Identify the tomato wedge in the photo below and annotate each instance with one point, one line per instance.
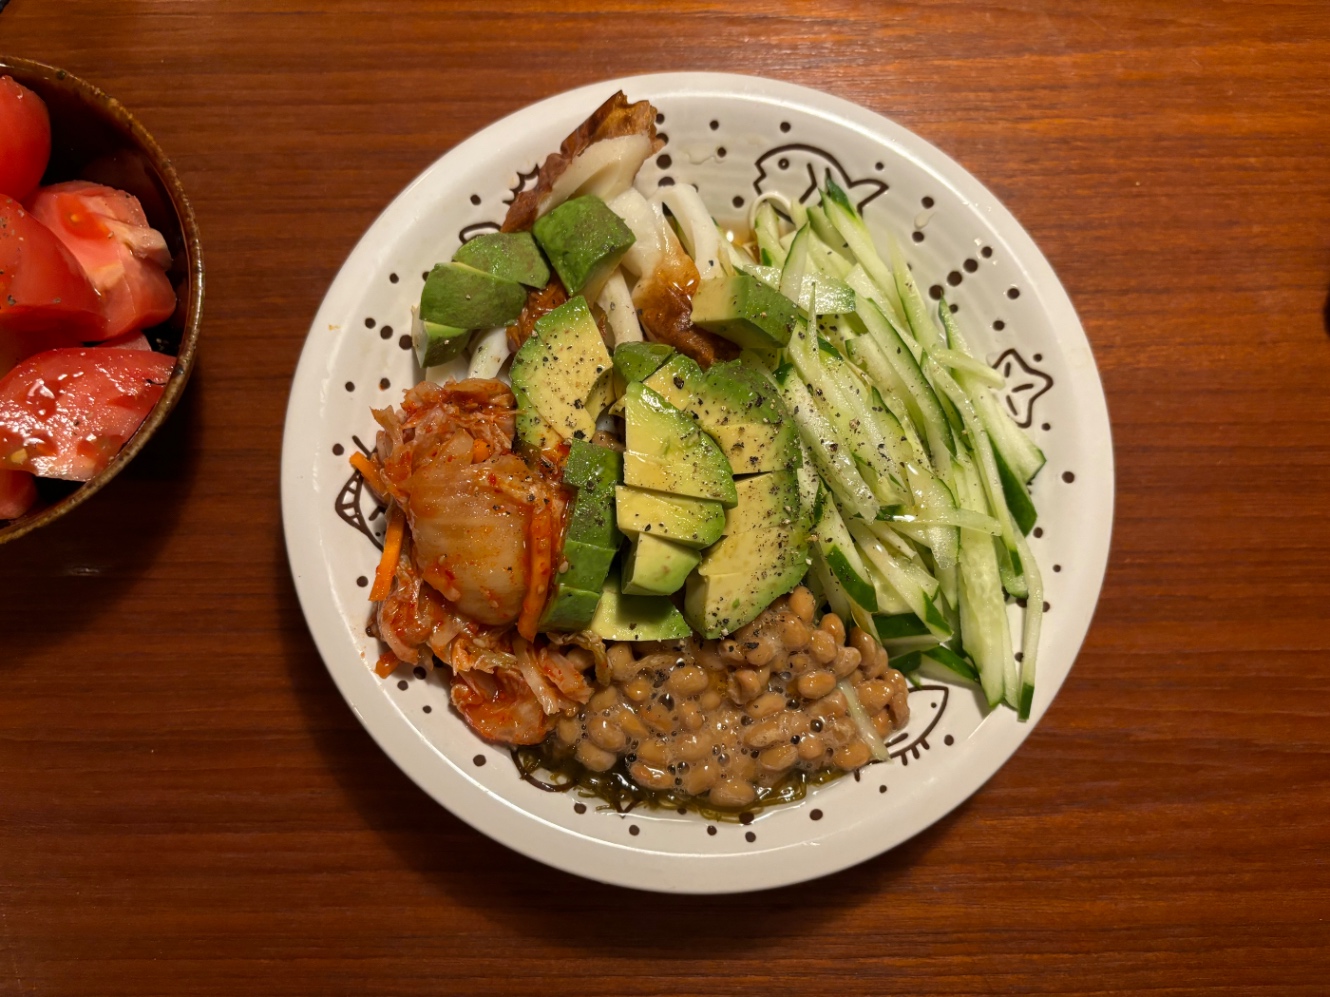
(25, 139)
(123, 256)
(42, 285)
(66, 413)
(17, 493)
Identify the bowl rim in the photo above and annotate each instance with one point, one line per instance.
(96, 97)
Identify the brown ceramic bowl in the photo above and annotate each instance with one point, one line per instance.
(93, 137)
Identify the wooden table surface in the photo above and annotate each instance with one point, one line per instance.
(188, 807)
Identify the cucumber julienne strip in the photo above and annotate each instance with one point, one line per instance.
(1018, 451)
(859, 715)
(834, 462)
(846, 221)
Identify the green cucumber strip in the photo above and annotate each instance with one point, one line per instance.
(883, 348)
(983, 611)
(796, 268)
(824, 230)
(766, 225)
(1021, 454)
(964, 363)
(904, 577)
(916, 312)
(847, 221)
(833, 460)
(899, 625)
(863, 722)
(838, 396)
(950, 664)
(1017, 496)
(837, 546)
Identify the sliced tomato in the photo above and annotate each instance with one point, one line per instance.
(17, 493)
(129, 341)
(66, 413)
(42, 285)
(16, 346)
(25, 139)
(123, 256)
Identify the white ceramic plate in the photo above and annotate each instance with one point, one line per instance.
(734, 136)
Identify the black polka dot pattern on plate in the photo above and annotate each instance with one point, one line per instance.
(419, 671)
(935, 292)
(999, 325)
(665, 182)
(579, 808)
(634, 830)
(711, 829)
(917, 236)
(427, 708)
(927, 202)
(1013, 293)
(370, 323)
(785, 126)
(478, 761)
(881, 789)
(384, 384)
(393, 278)
(970, 266)
(402, 684)
(338, 450)
(954, 278)
(815, 815)
(362, 581)
(948, 740)
(350, 385)
(750, 836)
(721, 152)
(1068, 477)
(745, 818)
(738, 201)
(475, 198)
(404, 342)
(1038, 531)
(664, 161)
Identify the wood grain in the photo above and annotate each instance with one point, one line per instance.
(188, 807)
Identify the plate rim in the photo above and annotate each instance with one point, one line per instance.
(490, 813)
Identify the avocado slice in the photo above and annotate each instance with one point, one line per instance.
(656, 566)
(636, 617)
(591, 520)
(742, 575)
(584, 566)
(584, 241)
(508, 255)
(667, 452)
(744, 414)
(638, 361)
(689, 521)
(676, 381)
(592, 466)
(533, 432)
(462, 297)
(569, 609)
(745, 311)
(767, 501)
(563, 368)
(435, 344)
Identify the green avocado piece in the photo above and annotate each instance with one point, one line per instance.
(676, 381)
(584, 566)
(591, 518)
(584, 241)
(689, 521)
(767, 501)
(656, 566)
(465, 298)
(508, 255)
(562, 365)
(742, 575)
(436, 344)
(568, 609)
(636, 617)
(744, 414)
(745, 311)
(590, 465)
(667, 452)
(638, 361)
(533, 432)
